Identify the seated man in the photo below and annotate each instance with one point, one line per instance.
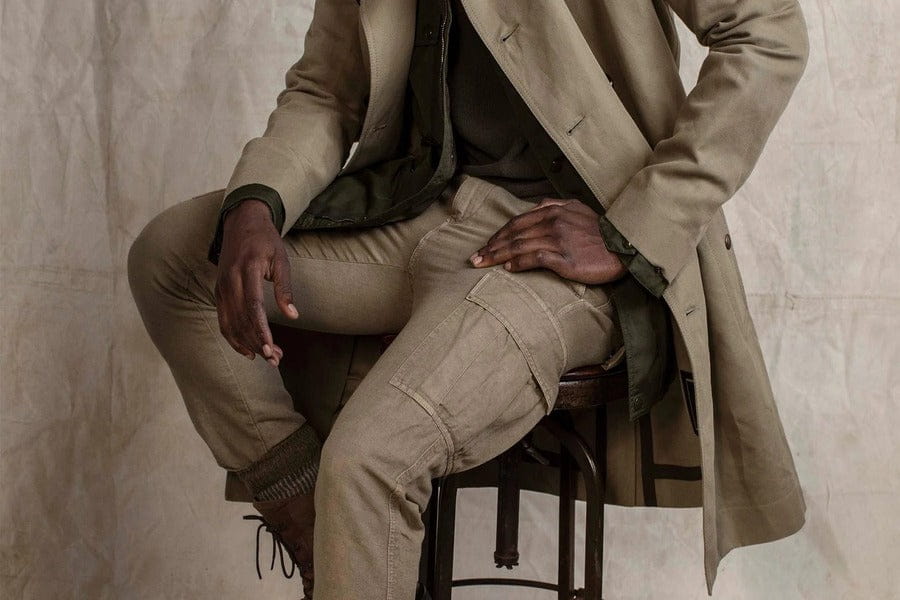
(458, 223)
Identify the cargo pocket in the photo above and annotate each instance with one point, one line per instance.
(499, 343)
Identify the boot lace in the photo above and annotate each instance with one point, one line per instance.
(278, 547)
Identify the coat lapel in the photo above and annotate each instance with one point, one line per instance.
(388, 29)
(540, 48)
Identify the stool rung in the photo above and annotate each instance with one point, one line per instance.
(533, 583)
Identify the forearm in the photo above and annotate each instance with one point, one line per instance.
(317, 118)
(757, 53)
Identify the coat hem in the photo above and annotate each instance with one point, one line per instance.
(790, 512)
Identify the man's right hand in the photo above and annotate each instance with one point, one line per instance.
(252, 251)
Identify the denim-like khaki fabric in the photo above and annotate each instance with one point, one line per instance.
(475, 366)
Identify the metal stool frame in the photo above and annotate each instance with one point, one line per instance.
(586, 390)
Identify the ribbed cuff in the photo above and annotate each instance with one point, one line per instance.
(255, 191)
(287, 469)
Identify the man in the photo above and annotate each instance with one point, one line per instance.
(531, 192)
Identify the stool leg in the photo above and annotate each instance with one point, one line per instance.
(444, 538)
(566, 574)
(597, 524)
(506, 552)
(593, 567)
(429, 547)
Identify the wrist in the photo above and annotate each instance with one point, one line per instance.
(247, 210)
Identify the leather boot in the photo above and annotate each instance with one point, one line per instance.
(291, 523)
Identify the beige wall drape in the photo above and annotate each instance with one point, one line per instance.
(111, 110)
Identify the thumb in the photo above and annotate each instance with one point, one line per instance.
(281, 281)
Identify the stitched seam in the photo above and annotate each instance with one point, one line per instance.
(414, 257)
(575, 303)
(468, 211)
(569, 307)
(393, 502)
(192, 276)
(487, 429)
(543, 305)
(523, 347)
(459, 376)
(374, 74)
(424, 340)
(344, 261)
(707, 517)
(438, 421)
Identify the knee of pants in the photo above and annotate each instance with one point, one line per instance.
(147, 257)
(158, 258)
(374, 459)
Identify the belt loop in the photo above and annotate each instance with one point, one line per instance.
(451, 194)
(452, 186)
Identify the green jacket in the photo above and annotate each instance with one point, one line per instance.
(407, 184)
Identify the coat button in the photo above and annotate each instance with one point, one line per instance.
(728, 241)
(556, 164)
(627, 244)
(659, 270)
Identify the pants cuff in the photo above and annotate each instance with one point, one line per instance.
(287, 469)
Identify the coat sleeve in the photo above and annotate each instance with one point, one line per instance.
(757, 53)
(318, 114)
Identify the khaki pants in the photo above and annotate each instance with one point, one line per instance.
(475, 366)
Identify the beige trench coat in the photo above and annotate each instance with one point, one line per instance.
(601, 76)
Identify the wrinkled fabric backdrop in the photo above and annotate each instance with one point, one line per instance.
(115, 109)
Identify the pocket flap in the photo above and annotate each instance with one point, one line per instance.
(530, 322)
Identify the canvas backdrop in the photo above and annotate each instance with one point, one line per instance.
(115, 109)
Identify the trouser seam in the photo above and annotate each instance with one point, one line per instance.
(191, 276)
(346, 262)
(436, 419)
(414, 259)
(576, 303)
(463, 214)
(393, 502)
(489, 427)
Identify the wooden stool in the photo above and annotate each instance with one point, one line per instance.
(582, 389)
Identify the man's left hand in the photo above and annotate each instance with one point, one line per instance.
(560, 235)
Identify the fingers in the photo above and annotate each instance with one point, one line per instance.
(524, 221)
(242, 316)
(226, 330)
(526, 225)
(539, 259)
(504, 251)
(256, 333)
(546, 220)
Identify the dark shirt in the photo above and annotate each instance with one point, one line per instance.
(489, 143)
